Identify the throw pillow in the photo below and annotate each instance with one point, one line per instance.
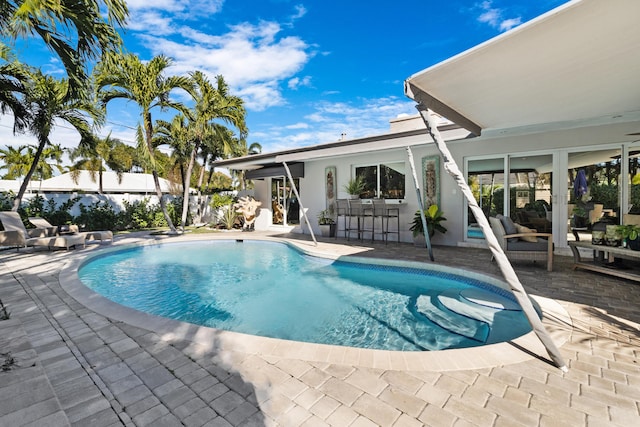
(525, 230)
(509, 227)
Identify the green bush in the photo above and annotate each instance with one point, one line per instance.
(138, 214)
(97, 216)
(6, 200)
(59, 215)
(219, 200)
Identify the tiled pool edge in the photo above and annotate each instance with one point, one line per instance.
(555, 319)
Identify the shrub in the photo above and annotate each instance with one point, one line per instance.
(59, 215)
(97, 216)
(219, 200)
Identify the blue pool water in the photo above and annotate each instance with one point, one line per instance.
(273, 290)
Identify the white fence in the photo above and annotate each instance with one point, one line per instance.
(116, 201)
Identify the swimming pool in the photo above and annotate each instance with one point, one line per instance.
(273, 290)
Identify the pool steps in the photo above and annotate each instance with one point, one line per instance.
(466, 314)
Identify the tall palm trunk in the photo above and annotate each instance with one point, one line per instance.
(156, 177)
(100, 189)
(200, 202)
(23, 187)
(185, 199)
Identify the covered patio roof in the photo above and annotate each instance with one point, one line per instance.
(577, 65)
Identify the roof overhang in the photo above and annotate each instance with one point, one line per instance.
(358, 146)
(573, 66)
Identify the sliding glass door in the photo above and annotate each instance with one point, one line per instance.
(285, 208)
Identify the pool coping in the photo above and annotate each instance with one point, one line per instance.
(556, 320)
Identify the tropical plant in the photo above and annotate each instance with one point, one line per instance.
(13, 76)
(355, 186)
(179, 137)
(212, 102)
(94, 159)
(50, 159)
(77, 31)
(219, 200)
(628, 231)
(229, 217)
(127, 77)
(434, 217)
(16, 161)
(325, 218)
(48, 101)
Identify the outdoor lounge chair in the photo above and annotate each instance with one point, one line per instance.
(519, 246)
(16, 234)
(43, 224)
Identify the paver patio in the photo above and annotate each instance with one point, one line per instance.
(65, 364)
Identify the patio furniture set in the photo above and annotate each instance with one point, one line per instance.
(45, 234)
(520, 243)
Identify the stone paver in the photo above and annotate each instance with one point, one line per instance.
(64, 364)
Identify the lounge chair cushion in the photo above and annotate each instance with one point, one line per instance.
(509, 227)
(526, 230)
(540, 245)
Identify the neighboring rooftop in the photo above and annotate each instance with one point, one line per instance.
(140, 183)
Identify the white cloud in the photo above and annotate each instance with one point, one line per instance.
(152, 22)
(300, 11)
(327, 122)
(186, 8)
(260, 96)
(297, 82)
(508, 24)
(495, 17)
(298, 126)
(253, 59)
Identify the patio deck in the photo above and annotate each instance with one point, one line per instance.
(62, 363)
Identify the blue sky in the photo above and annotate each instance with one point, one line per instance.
(308, 71)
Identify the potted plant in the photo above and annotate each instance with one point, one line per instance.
(580, 216)
(630, 234)
(327, 223)
(434, 217)
(355, 186)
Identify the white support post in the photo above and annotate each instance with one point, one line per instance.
(304, 212)
(503, 262)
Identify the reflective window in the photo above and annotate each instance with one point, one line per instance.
(384, 180)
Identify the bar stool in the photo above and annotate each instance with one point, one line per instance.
(385, 211)
(355, 213)
(379, 212)
(342, 210)
(367, 219)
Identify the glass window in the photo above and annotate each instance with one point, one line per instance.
(384, 180)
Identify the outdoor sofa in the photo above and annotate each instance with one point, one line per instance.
(16, 234)
(43, 224)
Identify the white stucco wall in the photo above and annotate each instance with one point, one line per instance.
(551, 142)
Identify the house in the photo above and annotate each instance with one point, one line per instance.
(530, 108)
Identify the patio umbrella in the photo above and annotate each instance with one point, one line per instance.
(580, 184)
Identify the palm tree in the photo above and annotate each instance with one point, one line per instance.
(253, 149)
(77, 31)
(49, 100)
(127, 77)
(16, 162)
(50, 159)
(211, 103)
(106, 152)
(179, 136)
(12, 78)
